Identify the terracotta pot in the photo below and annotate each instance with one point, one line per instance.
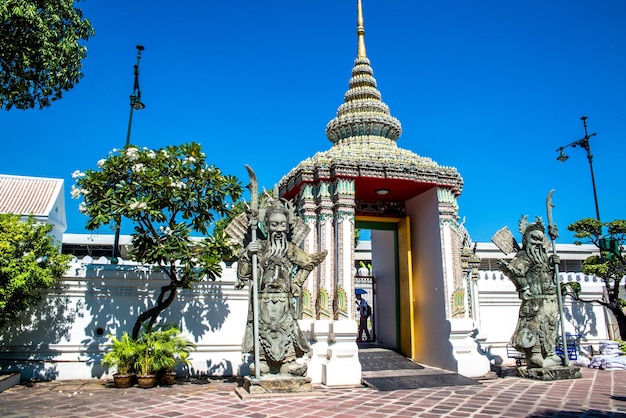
(167, 378)
(122, 380)
(147, 381)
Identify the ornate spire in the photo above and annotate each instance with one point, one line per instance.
(360, 31)
(364, 146)
(363, 115)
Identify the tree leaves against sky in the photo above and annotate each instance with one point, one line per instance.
(41, 51)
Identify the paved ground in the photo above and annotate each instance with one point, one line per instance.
(599, 393)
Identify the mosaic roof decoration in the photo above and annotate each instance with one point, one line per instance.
(364, 136)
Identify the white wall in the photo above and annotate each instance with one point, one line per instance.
(61, 340)
(67, 336)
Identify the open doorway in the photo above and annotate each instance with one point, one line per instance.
(376, 264)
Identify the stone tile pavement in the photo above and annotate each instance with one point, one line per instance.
(599, 393)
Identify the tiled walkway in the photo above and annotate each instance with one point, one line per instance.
(598, 393)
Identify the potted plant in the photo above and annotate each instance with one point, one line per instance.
(176, 350)
(122, 356)
(146, 360)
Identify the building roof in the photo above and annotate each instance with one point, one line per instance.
(29, 195)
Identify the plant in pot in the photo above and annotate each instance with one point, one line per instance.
(122, 356)
(147, 361)
(176, 350)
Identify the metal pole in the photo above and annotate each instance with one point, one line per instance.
(135, 97)
(593, 183)
(130, 124)
(584, 143)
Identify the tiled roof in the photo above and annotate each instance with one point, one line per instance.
(28, 195)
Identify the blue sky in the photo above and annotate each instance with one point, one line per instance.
(492, 88)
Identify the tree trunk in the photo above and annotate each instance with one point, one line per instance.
(163, 302)
(621, 321)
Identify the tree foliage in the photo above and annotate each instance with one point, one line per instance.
(29, 264)
(41, 52)
(169, 194)
(609, 266)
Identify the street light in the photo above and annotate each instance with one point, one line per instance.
(584, 144)
(135, 104)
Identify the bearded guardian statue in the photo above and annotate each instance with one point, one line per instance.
(532, 271)
(282, 268)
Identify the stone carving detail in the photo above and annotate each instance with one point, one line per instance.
(381, 208)
(307, 308)
(322, 305)
(340, 304)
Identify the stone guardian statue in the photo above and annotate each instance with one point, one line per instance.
(532, 271)
(276, 268)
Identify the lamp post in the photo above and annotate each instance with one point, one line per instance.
(135, 104)
(584, 144)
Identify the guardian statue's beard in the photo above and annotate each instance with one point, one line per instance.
(537, 254)
(278, 244)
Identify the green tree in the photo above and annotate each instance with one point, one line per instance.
(30, 262)
(608, 266)
(169, 194)
(41, 52)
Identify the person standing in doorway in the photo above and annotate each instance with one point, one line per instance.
(365, 311)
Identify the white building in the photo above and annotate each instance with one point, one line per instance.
(43, 198)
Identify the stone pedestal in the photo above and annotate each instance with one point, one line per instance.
(471, 361)
(550, 373)
(342, 367)
(277, 384)
(319, 336)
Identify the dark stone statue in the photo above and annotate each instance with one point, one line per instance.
(532, 271)
(282, 269)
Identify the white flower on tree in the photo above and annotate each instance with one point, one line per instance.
(138, 206)
(132, 154)
(77, 174)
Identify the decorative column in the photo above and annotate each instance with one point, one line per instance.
(311, 245)
(451, 249)
(323, 201)
(343, 209)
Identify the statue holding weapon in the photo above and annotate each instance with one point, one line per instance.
(535, 274)
(276, 267)
(532, 271)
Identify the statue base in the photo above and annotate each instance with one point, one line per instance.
(277, 384)
(550, 373)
